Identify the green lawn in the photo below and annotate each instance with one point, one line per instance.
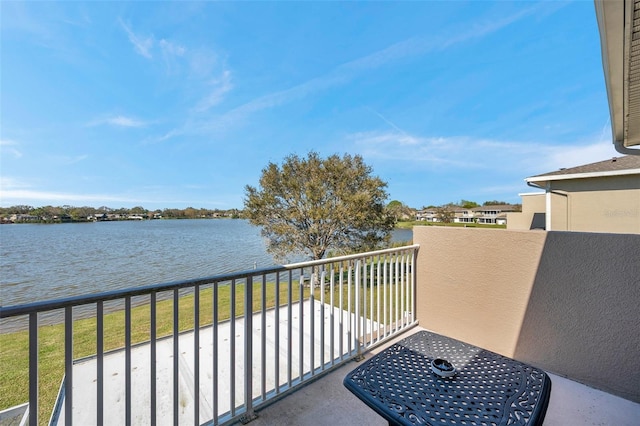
(411, 224)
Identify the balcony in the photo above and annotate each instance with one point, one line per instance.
(564, 302)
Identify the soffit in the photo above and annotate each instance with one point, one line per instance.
(619, 24)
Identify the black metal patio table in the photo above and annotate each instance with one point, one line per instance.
(487, 389)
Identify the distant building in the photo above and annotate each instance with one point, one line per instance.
(596, 197)
(18, 218)
(487, 215)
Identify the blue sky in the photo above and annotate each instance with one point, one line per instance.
(167, 104)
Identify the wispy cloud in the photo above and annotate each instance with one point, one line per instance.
(142, 45)
(69, 160)
(171, 53)
(9, 147)
(13, 196)
(118, 121)
(348, 71)
(467, 153)
(218, 87)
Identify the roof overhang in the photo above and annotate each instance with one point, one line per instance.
(543, 181)
(619, 24)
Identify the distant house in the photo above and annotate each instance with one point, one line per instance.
(462, 215)
(428, 215)
(596, 197)
(493, 215)
(487, 215)
(17, 218)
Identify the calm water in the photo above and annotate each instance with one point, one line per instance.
(43, 262)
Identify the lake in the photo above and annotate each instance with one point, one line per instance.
(43, 262)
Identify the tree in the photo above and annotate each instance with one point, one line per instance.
(467, 204)
(445, 214)
(311, 205)
(494, 203)
(401, 211)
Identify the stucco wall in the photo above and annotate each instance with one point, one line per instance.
(567, 302)
(604, 204)
(531, 203)
(610, 204)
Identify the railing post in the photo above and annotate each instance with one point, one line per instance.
(248, 352)
(414, 284)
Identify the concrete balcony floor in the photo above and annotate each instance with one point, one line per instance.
(327, 402)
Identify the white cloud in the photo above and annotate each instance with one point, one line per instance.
(170, 48)
(466, 153)
(8, 146)
(11, 183)
(218, 88)
(18, 196)
(577, 155)
(142, 45)
(68, 160)
(171, 53)
(349, 70)
(119, 121)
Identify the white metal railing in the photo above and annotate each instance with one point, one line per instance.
(281, 327)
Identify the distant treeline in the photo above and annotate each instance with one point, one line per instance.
(66, 213)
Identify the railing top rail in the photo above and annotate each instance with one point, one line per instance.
(49, 305)
(350, 257)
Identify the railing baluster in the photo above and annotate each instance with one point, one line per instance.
(289, 327)
(127, 359)
(350, 324)
(371, 287)
(407, 290)
(232, 351)
(341, 319)
(378, 275)
(263, 339)
(363, 306)
(196, 356)
(312, 314)
(176, 356)
(214, 379)
(402, 290)
(248, 349)
(33, 369)
(322, 277)
(68, 366)
(100, 363)
(153, 356)
(397, 297)
(301, 325)
(333, 309)
(276, 331)
(357, 310)
(385, 297)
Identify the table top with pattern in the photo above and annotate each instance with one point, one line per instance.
(487, 389)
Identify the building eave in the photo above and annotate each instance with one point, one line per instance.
(619, 25)
(537, 180)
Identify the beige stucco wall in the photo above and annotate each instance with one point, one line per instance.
(609, 204)
(604, 204)
(567, 302)
(531, 203)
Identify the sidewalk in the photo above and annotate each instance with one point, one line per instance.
(84, 371)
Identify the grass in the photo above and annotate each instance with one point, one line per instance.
(411, 224)
(14, 355)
